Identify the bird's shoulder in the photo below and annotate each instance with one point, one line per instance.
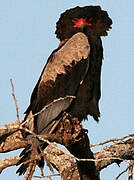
(72, 52)
(75, 48)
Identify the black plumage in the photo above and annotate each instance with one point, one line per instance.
(70, 81)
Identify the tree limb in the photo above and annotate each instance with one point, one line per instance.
(64, 162)
(7, 162)
(115, 154)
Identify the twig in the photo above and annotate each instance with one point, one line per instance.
(114, 140)
(7, 162)
(30, 171)
(47, 176)
(101, 159)
(15, 101)
(117, 177)
(70, 155)
(130, 170)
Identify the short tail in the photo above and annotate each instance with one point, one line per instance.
(31, 153)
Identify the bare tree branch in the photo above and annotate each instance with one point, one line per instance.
(47, 176)
(7, 162)
(15, 101)
(117, 177)
(9, 128)
(108, 155)
(130, 170)
(13, 142)
(114, 140)
(62, 160)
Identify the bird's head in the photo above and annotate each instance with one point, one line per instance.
(89, 20)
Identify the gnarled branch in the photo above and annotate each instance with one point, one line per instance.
(64, 162)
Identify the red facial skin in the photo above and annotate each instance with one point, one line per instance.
(79, 23)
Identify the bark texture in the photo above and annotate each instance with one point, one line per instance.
(68, 165)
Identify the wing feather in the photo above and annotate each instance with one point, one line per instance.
(74, 50)
(52, 110)
(60, 79)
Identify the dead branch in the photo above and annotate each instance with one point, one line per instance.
(9, 128)
(62, 160)
(67, 169)
(13, 142)
(47, 176)
(15, 101)
(114, 140)
(117, 177)
(130, 170)
(7, 162)
(123, 151)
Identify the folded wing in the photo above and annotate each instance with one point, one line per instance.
(63, 74)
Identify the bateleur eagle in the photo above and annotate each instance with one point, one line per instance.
(70, 80)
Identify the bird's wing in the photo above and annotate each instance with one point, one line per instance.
(59, 81)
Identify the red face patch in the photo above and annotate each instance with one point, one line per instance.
(79, 23)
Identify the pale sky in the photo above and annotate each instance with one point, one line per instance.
(27, 39)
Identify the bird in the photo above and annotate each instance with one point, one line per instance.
(71, 79)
